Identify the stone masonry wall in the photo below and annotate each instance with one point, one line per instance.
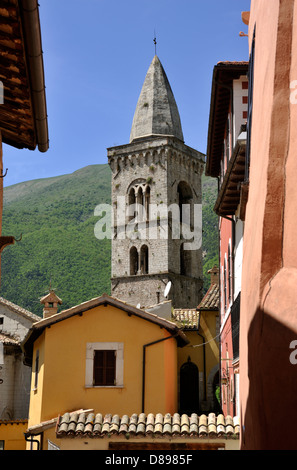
(160, 164)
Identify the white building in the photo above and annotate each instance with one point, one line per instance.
(14, 375)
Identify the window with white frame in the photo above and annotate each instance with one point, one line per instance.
(105, 365)
(230, 271)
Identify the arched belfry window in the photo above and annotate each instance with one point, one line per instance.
(185, 198)
(140, 204)
(134, 263)
(131, 203)
(147, 197)
(185, 261)
(138, 200)
(144, 259)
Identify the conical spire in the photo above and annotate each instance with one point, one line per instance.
(156, 111)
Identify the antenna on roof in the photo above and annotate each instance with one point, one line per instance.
(167, 289)
(155, 42)
(51, 288)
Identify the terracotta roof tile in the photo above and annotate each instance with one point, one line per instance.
(211, 299)
(187, 319)
(95, 425)
(18, 309)
(9, 339)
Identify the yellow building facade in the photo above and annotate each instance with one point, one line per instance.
(108, 374)
(12, 434)
(198, 361)
(61, 350)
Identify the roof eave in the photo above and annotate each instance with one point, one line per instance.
(239, 150)
(234, 69)
(34, 54)
(38, 327)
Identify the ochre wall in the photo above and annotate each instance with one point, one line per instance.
(36, 394)
(12, 433)
(145, 443)
(195, 349)
(63, 366)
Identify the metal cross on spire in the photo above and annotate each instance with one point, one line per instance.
(155, 42)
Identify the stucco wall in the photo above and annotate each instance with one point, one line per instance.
(63, 351)
(12, 433)
(268, 309)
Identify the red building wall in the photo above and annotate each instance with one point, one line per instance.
(268, 325)
(227, 376)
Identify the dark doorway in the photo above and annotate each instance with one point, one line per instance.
(189, 388)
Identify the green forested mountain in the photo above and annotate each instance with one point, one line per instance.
(210, 242)
(56, 219)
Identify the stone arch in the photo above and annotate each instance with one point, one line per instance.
(185, 261)
(185, 197)
(133, 196)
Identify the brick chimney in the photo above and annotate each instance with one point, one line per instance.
(214, 275)
(51, 302)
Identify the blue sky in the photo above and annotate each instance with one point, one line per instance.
(96, 55)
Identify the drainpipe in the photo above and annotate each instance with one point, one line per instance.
(204, 360)
(204, 365)
(29, 438)
(143, 364)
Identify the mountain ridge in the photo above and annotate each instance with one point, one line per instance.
(55, 216)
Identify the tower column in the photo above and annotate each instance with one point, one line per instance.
(156, 173)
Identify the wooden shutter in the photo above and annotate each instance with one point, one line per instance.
(104, 367)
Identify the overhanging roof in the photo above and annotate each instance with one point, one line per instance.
(230, 192)
(223, 75)
(211, 300)
(23, 112)
(38, 327)
(88, 424)
(18, 310)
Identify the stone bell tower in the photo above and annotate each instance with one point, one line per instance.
(154, 172)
